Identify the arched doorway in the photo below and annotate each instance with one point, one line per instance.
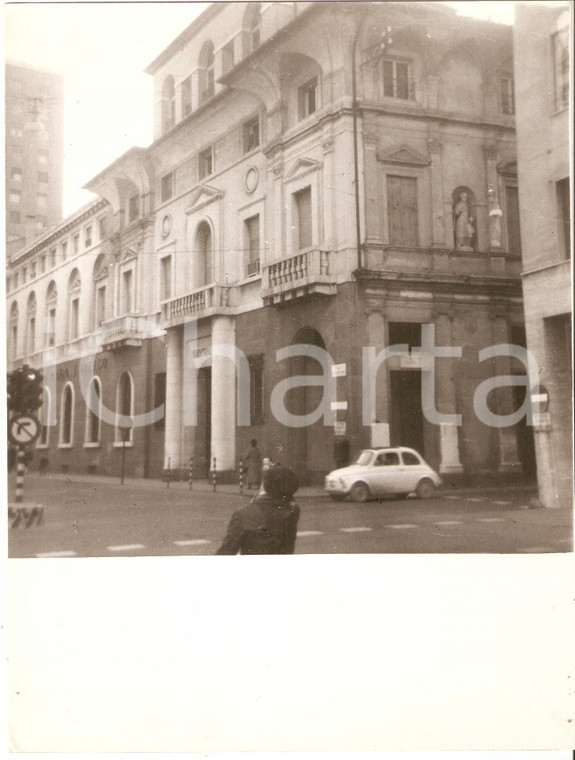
(309, 451)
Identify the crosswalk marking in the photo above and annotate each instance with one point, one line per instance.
(309, 533)
(354, 530)
(192, 542)
(125, 547)
(46, 555)
(450, 522)
(401, 526)
(490, 519)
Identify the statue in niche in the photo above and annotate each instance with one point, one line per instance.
(463, 223)
(495, 215)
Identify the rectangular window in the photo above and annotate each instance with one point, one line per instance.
(402, 211)
(133, 208)
(24, 275)
(16, 279)
(51, 327)
(303, 221)
(127, 281)
(167, 189)
(251, 134)
(561, 68)
(102, 229)
(165, 278)
(160, 398)
(76, 243)
(396, 80)
(64, 249)
(43, 177)
(186, 96)
(88, 237)
(15, 196)
(52, 257)
(256, 364)
(252, 245)
(404, 333)
(513, 229)
(507, 95)
(43, 264)
(564, 216)
(100, 305)
(74, 313)
(228, 57)
(17, 174)
(32, 270)
(307, 97)
(31, 335)
(205, 163)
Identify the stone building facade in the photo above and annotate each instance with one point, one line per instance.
(543, 80)
(319, 189)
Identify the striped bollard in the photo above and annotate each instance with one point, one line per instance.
(20, 471)
(241, 476)
(191, 478)
(214, 474)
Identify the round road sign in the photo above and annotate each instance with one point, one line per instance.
(23, 429)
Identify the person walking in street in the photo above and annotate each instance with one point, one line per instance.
(253, 464)
(268, 524)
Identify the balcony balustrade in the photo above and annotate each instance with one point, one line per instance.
(206, 302)
(304, 274)
(127, 330)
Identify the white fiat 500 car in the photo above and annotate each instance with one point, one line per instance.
(381, 472)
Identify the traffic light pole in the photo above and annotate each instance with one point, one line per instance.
(20, 471)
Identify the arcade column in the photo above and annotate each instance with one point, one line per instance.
(174, 410)
(223, 444)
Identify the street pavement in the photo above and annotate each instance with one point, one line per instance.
(95, 516)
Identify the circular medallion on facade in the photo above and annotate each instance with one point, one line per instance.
(166, 225)
(252, 179)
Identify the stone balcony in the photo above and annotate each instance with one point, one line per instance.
(128, 330)
(209, 301)
(304, 274)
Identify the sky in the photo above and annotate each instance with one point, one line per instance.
(102, 49)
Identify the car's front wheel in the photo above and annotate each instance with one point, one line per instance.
(425, 488)
(359, 492)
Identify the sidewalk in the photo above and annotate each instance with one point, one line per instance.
(206, 486)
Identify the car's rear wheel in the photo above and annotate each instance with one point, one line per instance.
(359, 492)
(425, 488)
(336, 496)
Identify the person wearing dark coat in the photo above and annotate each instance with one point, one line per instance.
(268, 524)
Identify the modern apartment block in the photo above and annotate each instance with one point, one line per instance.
(326, 180)
(542, 85)
(34, 145)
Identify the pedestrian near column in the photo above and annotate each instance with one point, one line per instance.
(268, 524)
(253, 465)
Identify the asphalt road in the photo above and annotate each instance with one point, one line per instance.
(96, 517)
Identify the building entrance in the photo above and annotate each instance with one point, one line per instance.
(406, 419)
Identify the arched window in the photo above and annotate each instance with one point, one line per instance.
(31, 323)
(67, 415)
(100, 290)
(93, 411)
(124, 403)
(168, 104)
(252, 26)
(205, 255)
(14, 330)
(45, 413)
(50, 315)
(206, 73)
(74, 288)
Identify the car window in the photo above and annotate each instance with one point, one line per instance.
(387, 459)
(409, 458)
(364, 458)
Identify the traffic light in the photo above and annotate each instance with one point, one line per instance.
(25, 390)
